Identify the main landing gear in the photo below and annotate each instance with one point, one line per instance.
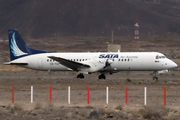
(102, 76)
(81, 76)
(155, 76)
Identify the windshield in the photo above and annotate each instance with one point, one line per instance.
(160, 57)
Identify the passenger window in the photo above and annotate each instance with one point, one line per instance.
(122, 60)
(125, 59)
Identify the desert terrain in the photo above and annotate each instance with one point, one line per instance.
(58, 109)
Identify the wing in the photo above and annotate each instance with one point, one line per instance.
(76, 66)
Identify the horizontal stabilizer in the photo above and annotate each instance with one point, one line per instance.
(17, 46)
(15, 63)
(76, 66)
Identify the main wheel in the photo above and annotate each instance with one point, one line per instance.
(102, 76)
(155, 78)
(81, 76)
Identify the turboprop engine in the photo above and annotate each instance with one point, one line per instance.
(108, 63)
(95, 65)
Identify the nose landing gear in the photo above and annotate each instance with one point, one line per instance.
(155, 76)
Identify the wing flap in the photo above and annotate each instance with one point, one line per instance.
(70, 64)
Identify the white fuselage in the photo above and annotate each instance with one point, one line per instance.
(121, 61)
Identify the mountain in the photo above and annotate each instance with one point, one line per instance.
(50, 18)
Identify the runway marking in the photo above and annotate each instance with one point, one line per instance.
(126, 95)
(88, 96)
(107, 89)
(69, 94)
(12, 94)
(144, 95)
(31, 94)
(50, 93)
(164, 96)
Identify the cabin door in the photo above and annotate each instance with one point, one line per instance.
(40, 63)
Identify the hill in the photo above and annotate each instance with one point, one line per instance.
(36, 19)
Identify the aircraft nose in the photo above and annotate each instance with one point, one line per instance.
(173, 64)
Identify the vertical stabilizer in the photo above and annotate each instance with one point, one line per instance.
(17, 46)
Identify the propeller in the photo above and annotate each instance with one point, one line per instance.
(108, 63)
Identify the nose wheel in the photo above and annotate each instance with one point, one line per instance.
(155, 78)
(102, 76)
(81, 76)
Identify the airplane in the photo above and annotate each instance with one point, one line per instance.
(85, 62)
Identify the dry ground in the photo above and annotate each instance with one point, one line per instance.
(59, 109)
(23, 79)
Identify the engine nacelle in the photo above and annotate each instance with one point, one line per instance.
(95, 65)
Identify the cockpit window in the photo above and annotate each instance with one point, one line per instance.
(163, 56)
(157, 57)
(160, 57)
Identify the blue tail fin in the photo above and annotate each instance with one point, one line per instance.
(17, 46)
